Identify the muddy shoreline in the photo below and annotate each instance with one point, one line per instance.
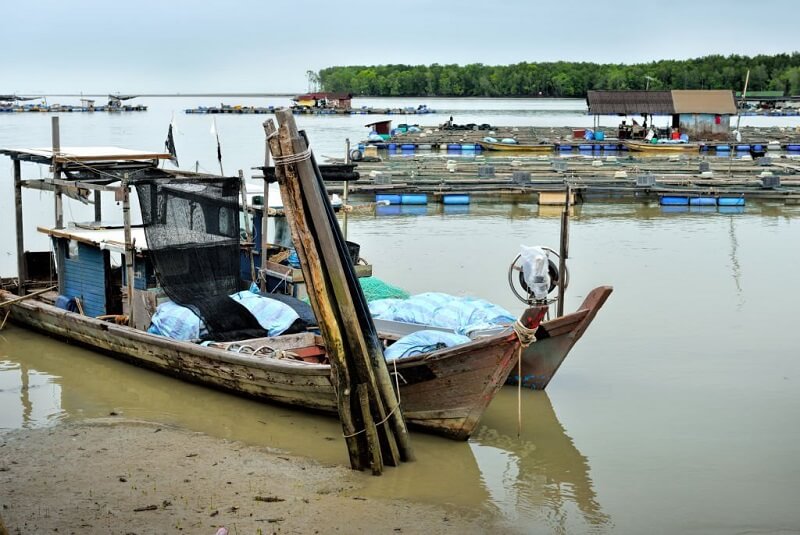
(131, 477)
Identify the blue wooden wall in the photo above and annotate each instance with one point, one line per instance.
(84, 277)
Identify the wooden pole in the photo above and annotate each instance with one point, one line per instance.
(345, 188)
(359, 347)
(265, 224)
(129, 250)
(563, 253)
(317, 290)
(59, 206)
(366, 354)
(98, 206)
(375, 460)
(20, 231)
(247, 231)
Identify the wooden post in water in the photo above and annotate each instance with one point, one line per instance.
(59, 206)
(330, 278)
(21, 267)
(563, 253)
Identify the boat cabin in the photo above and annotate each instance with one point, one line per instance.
(699, 115)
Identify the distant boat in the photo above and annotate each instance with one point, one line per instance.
(517, 147)
(646, 146)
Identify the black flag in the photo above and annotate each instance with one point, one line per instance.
(169, 145)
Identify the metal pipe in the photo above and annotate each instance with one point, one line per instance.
(21, 268)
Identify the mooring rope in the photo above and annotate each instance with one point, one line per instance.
(526, 336)
(292, 158)
(397, 389)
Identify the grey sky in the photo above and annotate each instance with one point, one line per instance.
(187, 46)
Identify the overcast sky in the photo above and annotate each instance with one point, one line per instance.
(148, 46)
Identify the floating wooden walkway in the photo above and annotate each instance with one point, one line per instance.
(263, 110)
(437, 179)
(66, 108)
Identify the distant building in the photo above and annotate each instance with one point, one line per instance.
(700, 114)
(338, 101)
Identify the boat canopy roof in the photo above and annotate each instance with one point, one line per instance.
(111, 238)
(84, 154)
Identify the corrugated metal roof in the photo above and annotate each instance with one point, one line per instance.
(717, 101)
(630, 102)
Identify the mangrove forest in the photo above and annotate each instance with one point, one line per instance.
(780, 72)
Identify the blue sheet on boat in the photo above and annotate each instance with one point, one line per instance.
(180, 323)
(461, 314)
(423, 342)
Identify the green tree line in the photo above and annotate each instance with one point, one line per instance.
(779, 72)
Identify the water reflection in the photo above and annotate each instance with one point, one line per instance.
(540, 476)
(537, 479)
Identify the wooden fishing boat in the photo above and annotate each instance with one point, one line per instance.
(517, 147)
(443, 392)
(644, 146)
(109, 276)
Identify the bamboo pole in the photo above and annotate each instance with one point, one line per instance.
(22, 274)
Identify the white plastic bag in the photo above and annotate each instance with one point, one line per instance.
(535, 270)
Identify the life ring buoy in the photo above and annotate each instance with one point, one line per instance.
(356, 155)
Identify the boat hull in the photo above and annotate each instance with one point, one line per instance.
(555, 339)
(444, 392)
(518, 147)
(642, 146)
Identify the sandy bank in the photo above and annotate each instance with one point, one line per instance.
(112, 476)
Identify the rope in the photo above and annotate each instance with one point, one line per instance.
(377, 424)
(526, 336)
(397, 391)
(292, 158)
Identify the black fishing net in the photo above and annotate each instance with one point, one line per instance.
(192, 232)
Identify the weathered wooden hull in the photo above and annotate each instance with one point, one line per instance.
(444, 392)
(541, 360)
(518, 147)
(642, 146)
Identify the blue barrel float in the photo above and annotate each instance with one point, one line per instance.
(703, 201)
(408, 146)
(468, 146)
(565, 147)
(743, 148)
(455, 199)
(453, 146)
(731, 201)
(392, 147)
(392, 198)
(674, 200)
(413, 198)
(793, 147)
(723, 148)
(585, 147)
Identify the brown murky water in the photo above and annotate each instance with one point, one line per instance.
(677, 412)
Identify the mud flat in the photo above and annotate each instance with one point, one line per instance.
(122, 476)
